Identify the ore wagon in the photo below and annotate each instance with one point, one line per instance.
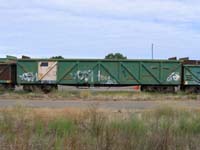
(8, 72)
(149, 74)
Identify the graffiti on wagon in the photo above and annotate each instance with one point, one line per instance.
(86, 76)
(107, 80)
(29, 77)
(175, 76)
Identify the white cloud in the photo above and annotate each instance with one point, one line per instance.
(167, 10)
(78, 27)
(164, 10)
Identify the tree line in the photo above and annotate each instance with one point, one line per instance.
(110, 56)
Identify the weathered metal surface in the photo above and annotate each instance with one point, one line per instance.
(192, 75)
(8, 59)
(47, 71)
(36, 72)
(99, 72)
(191, 62)
(7, 73)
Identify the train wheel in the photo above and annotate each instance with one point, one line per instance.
(26, 88)
(148, 88)
(198, 89)
(2, 87)
(31, 88)
(5, 87)
(49, 88)
(192, 89)
(189, 89)
(168, 89)
(162, 89)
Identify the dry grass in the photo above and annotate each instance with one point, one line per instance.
(165, 128)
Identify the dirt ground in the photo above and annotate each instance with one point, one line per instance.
(116, 106)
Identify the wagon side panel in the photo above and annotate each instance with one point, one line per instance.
(27, 72)
(160, 73)
(103, 72)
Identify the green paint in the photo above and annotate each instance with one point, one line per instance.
(107, 72)
(192, 75)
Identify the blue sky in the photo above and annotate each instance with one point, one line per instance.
(94, 28)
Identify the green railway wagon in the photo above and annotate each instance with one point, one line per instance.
(191, 78)
(96, 72)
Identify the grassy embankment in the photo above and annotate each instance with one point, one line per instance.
(97, 95)
(162, 129)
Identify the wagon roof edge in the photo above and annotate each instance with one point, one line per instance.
(78, 59)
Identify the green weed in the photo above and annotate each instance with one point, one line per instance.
(60, 127)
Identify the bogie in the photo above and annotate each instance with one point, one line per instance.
(162, 89)
(40, 88)
(8, 87)
(191, 89)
